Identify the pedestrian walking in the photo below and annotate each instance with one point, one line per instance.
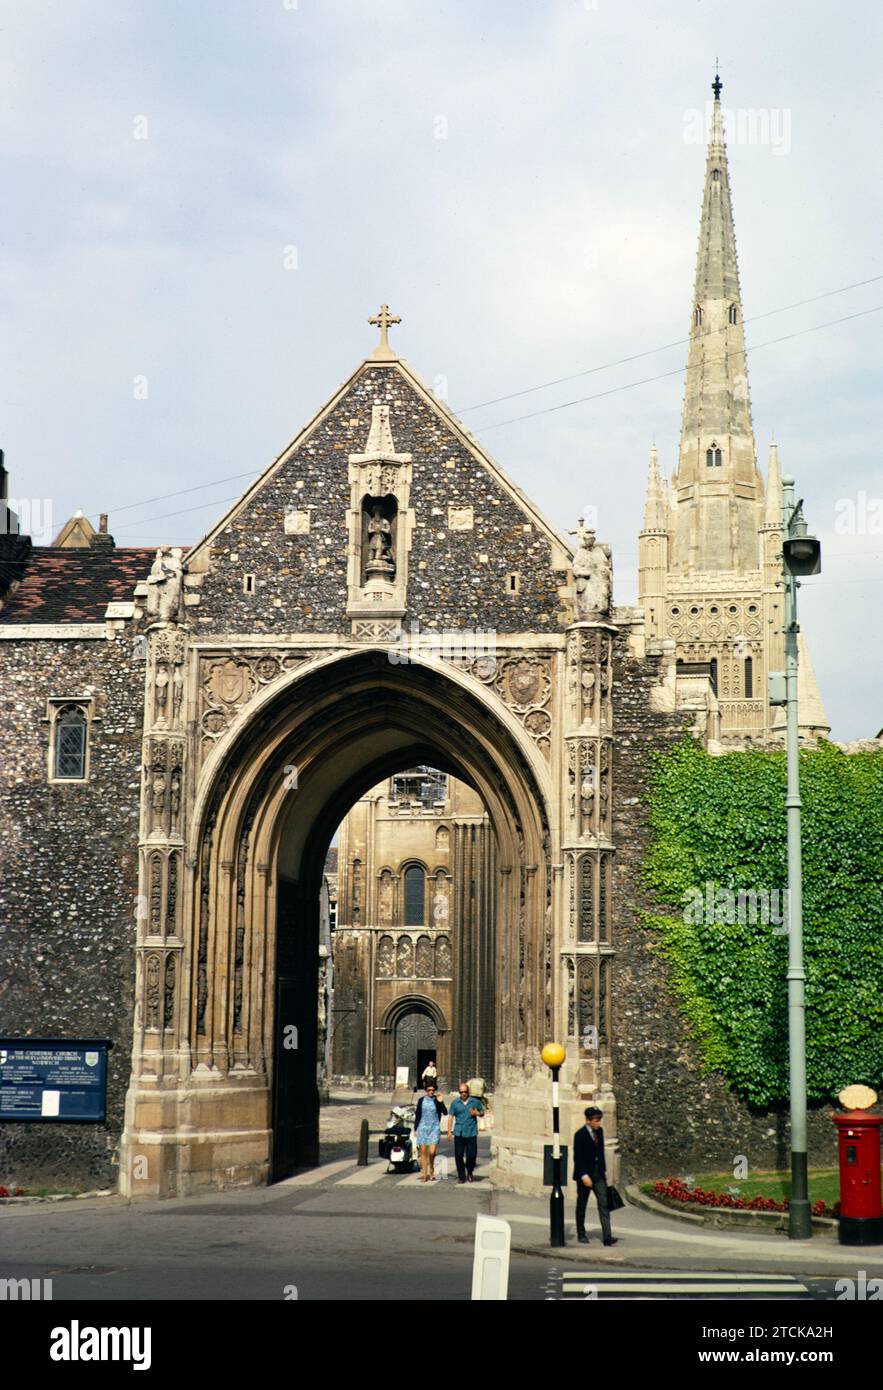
(463, 1125)
(427, 1129)
(429, 1074)
(590, 1175)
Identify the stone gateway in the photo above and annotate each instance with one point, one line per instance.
(186, 731)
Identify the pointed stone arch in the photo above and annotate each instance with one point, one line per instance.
(267, 802)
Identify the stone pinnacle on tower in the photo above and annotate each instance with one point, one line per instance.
(656, 503)
(773, 509)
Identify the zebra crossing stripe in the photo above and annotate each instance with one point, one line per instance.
(735, 1274)
(363, 1177)
(697, 1286)
(316, 1175)
(674, 1283)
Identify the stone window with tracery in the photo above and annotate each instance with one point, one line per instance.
(69, 728)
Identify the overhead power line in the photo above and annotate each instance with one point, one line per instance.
(677, 371)
(580, 400)
(665, 347)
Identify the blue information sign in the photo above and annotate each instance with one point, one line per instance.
(53, 1078)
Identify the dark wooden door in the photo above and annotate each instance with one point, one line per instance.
(295, 1090)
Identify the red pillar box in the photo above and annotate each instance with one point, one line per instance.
(861, 1211)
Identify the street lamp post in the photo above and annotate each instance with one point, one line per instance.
(801, 555)
(553, 1055)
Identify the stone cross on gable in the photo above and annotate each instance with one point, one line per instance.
(384, 321)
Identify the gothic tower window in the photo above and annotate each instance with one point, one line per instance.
(697, 316)
(69, 742)
(713, 456)
(733, 314)
(749, 678)
(415, 896)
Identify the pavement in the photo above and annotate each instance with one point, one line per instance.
(348, 1233)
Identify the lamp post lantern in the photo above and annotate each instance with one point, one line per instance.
(801, 555)
(553, 1054)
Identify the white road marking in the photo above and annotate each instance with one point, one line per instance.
(722, 1242)
(364, 1177)
(314, 1175)
(695, 1286)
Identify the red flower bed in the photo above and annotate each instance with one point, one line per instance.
(676, 1190)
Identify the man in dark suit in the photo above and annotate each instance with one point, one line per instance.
(590, 1175)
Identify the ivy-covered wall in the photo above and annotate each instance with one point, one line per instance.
(700, 1023)
(718, 861)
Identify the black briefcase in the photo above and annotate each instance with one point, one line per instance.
(614, 1201)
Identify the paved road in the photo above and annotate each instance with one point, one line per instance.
(338, 1233)
(348, 1233)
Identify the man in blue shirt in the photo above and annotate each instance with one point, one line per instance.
(463, 1124)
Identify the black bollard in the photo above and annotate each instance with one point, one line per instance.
(362, 1160)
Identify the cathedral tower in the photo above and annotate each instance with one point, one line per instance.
(709, 564)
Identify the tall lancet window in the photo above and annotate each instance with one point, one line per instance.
(70, 744)
(749, 678)
(733, 314)
(713, 456)
(697, 316)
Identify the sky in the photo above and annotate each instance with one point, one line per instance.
(205, 202)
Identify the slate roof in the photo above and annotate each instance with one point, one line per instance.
(62, 585)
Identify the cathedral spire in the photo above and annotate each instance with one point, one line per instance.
(718, 488)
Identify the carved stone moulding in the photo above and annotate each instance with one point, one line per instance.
(160, 984)
(587, 981)
(589, 762)
(164, 776)
(590, 674)
(376, 629)
(163, 878)
(229, 680)
(523, 681)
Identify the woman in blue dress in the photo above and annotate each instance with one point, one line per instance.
(427, 1128)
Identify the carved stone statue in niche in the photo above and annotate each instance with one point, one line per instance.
(588, 685)
(378, 538)
(592, 576)
(164, 585)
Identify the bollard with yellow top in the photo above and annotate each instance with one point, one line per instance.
(553, 1054)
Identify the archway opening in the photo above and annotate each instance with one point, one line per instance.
(286, 782)
(412, 874)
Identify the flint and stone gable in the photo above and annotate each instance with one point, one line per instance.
(470, 532)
